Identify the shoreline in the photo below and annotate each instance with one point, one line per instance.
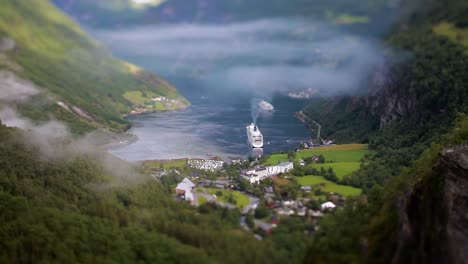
(124, 138)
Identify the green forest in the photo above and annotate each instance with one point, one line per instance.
(73, 209)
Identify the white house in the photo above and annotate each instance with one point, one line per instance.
(185, 188)
(327, 205)
(283, 167)
(256, 175)
(260, 173)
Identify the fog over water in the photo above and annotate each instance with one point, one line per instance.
(221, 68)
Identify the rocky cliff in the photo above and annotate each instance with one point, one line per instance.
(432, 217)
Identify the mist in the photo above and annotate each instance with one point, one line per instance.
(14, 89)
(55, 142)
(260, 57)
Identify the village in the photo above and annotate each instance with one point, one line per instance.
(266, 194)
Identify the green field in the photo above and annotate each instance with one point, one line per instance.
(340, 168)
(241, 199)
(337, 153)
(328, 186)
(166, 164)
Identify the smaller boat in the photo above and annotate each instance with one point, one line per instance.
(266, 106)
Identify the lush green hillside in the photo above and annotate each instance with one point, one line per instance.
(420, 109)
(424, 89)
(69, 67)
(74, 209)
(371, 231)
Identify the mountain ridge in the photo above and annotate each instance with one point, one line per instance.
(81, 83)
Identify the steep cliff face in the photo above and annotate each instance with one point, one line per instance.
(432, 217)
(388, 100)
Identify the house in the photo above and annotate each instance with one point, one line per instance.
(283, 167)
(184, 189)
(274, 219)
(268, 189)
(284, 211)
(264, 227)
(260, 173)
(327, 206)
(315, 213)
(301, 211)
(306, 188)
(289, 203)
(302, 162)
(255, 175)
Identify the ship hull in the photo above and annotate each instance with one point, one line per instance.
(254, 136)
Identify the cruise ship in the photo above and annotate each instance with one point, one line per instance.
(266, 106)
(255, 136)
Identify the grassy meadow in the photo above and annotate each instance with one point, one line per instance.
(335, 153)
(166, 164)
(241, 199)
(328, 186)
(343, 159)
(340, 168)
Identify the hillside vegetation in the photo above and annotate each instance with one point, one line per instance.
(420, 109)
(89, 207)
(56, 55)
(423, 91)
(381, 221)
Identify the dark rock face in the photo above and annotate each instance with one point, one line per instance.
(455, 167)
(388, 99)
(433, 218)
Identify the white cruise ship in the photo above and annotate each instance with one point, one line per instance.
(255, 136)
(266, 106)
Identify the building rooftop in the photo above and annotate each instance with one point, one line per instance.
(285, 163)
(188, 182)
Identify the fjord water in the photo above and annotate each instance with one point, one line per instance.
(214, 125)
(221, 68)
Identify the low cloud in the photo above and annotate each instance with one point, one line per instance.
(262, 57)
(55, 142)
(14, 89)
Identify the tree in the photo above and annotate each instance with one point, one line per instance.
(321, 159)
(249, 220)
(262, 212)
(322, 171)
(291, 155)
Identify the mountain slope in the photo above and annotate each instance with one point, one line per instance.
(423, 79)
(80, 82)
(416, 217)
(83, 206)
(415, 180)
(412, 98)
